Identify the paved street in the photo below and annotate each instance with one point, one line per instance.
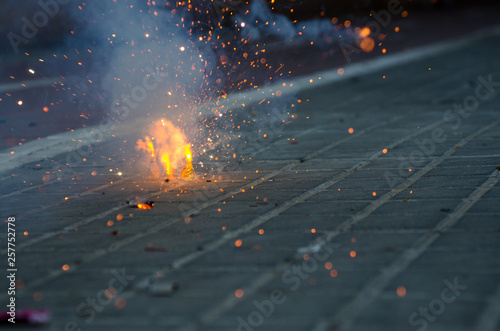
(375, 208)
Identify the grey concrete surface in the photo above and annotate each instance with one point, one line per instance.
(353, 238)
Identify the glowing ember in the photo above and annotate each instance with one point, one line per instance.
(142, 205)
(168, 149)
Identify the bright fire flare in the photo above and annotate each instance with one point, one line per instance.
(188, 169)
(168, 148)
(144, 206)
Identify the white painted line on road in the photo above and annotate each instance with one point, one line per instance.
(65, 142)
(362, 68)
(28, 84)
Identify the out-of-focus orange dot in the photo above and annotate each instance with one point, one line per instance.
(347, 24)
(120, 303)
(110, 223)
(353, 240)
(19, 283)
(119, 217)
(352, 253)
(374, 194)
(306, 257)
(365, 32)
(409, 170)
(110, 293)
(313, 230)
(367, 44)
(384, 151)
(238, 243)
(401, 291)
(328, 265)
(340, 71)
(239, 293)
(65, 267)
(46, 109)
(404, 13)
(261, 231)
(93, 173)
(333, 273)
(37, 296)
(224, 228)
(396, 29)
(351, 130)
(25, 233)
(384, 51)
(20, 102)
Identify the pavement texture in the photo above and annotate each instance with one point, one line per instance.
(377, 208)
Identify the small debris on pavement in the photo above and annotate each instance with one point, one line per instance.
(26, 316)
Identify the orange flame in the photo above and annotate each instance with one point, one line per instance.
(169, 143)
(188, 168)
(166, 162)
(144, 206)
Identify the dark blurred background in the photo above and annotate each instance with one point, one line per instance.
(59, 27)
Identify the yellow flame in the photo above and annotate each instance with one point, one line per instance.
(168, 147)
(166, 162)
(151, 148)
(188, 169)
